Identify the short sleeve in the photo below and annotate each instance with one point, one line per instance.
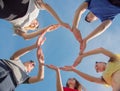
(26, 81)
(38, 5)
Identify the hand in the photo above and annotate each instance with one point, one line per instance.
(77, 35)
(52, 67)
(52, 27)
(82, 46)
(67, 68)
(40, 55)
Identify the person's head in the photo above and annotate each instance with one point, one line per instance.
(100, 66)
(33, 26)
(29, 65)
(90, 17)
(73, 83)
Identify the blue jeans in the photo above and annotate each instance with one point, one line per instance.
(6, 78)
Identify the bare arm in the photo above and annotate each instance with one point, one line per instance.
(89, 78)
(53, 13)
(83, 75)
(100, 29)
(93, 52)
(36, 33)
(78, 14)
(58, 77)
(22, 51)
(40, 57)
(40, 75)
(76, 20)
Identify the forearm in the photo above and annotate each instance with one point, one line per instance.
(34, 34)
(78, 14)
(100, 51)
(21, 52)
(77, 61)
(40, 75)
(58, 81)
(88, 77)
(100, 29)
(52, 12)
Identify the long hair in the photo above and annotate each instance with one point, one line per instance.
(77, 84)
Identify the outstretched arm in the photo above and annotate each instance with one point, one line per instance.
(22, 51)
(58, 77)
(36, 33)
(83, 75)
(81, 9)
(40, 75)
(93, 52)
(76, 20)
(53, 13)
(40, 57)
(100, 29)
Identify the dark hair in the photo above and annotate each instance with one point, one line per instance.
(101, 62)
(86, 18)
(111, 59)
(77, 84)
(32, 62)
(115, 2)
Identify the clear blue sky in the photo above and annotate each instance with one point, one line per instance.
(61, 48)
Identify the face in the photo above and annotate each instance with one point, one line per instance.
(100, 66)
(29, 66)
(90, 17)
(71, 82)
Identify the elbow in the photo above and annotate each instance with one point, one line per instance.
(40, 79)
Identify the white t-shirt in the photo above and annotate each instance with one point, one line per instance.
(32, 14)
(18, 70)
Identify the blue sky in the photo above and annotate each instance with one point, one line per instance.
(61, 48)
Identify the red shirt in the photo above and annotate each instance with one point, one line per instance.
(69, 89)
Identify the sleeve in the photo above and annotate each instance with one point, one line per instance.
(38, 5)
(26, 81)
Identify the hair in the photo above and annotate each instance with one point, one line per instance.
(101, 62)
(31, 61)
(77, 84)
(86, 18)
(115, 2)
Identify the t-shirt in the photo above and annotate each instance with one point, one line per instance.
(69, 89)
(32, 14)
(18, 70)
(111, 68)
(103, 9)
